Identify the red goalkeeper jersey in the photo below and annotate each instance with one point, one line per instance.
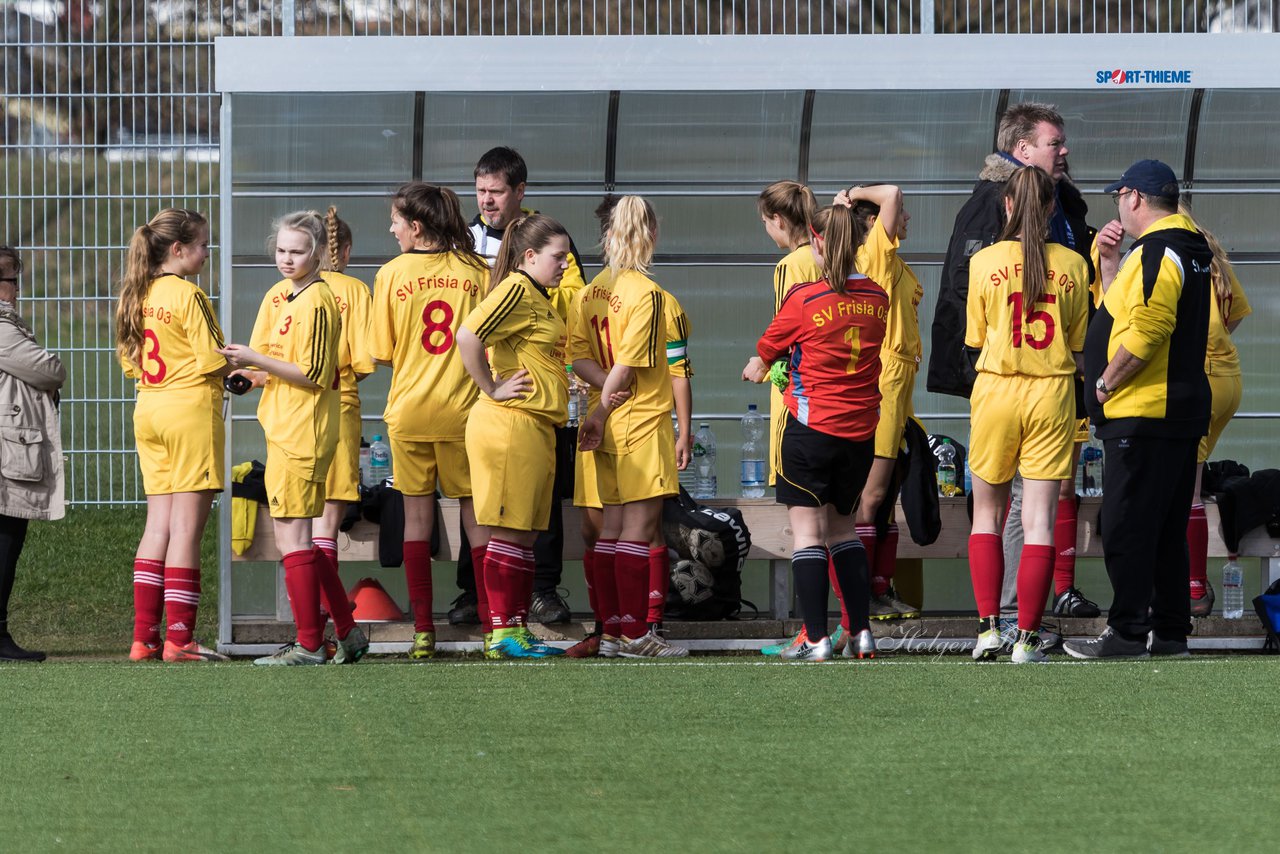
(834, 345)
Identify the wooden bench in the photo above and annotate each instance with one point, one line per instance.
(771, 540)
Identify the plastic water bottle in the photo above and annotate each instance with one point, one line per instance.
(1089, 479)
(968, 478)
(379, 461)
(575, 400)
(365, 452)
(754, 473)
(704, 463)
(947, 468)
(1232, 589)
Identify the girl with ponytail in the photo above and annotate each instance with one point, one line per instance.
(1027, 311)
(829, 331)
(511, 430)
(167, 339)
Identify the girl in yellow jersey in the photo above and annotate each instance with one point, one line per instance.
(293, 356)
(511, 430)
(419, 302)
(167, 339)
(342, 485)
(636, 456)
(1027, 309)
(881, 222)
(1227, 309)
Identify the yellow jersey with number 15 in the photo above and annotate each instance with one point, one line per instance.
(419, 301)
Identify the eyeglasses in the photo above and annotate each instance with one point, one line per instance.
(1116, 196)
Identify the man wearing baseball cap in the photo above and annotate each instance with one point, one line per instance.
(1147, 395)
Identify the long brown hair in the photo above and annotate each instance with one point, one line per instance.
(1221, 262)
(835, 224)
(529, 232)
(147, 252)
(1031, 191)
(792, 201)
(439, 212)
(339, 237)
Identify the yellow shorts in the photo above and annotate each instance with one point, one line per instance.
(1021, 424)
(648, 470)
(1082, 431)
(1226, 400)
(343, 482)
(179, 435)
(897, 382)
(420, 466)
(289, 494)
(586, 487)
(513, 467)
(777, 410)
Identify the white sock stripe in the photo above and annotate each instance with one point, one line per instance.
(607, 548)
(865, 529)
(809, 554)
(848, 544)
(893, 526)
(322, 543)
(505, 550)
(145, 562)
(634, 549)
(189, 598)
(1195, 507)
(149, 578)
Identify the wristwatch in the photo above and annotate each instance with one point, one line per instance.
(1101, 386)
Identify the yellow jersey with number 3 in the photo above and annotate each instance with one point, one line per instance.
(419, 301)
(1030, 341)
(302, 329)
(180, 338)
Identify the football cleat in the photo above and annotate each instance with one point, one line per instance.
(839, 640)
(141, 651)
(514, 644)
(533, 642)
(1026, 649)
(352, 648)
(861, 645)
(807, 651)
(588, 647)
(989, 641)
(291, 655)
(190, 652)
(610, 647)
(424, 646)
(1203, 606)
(887, 606)
(1072, 603)
(652, 645)
(777, 648)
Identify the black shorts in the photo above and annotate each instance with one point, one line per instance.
(817, 468)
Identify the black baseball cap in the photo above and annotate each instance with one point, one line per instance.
(1149, 177)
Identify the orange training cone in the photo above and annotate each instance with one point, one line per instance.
(373, 604)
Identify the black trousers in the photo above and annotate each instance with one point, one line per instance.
(548, 548)
(1145, 505)
(13, 534)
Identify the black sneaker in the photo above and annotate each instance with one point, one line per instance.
(1109, 644)
(10, 651)
(548, 608)
(463, 612)
(1073, 604)
(1173, 648)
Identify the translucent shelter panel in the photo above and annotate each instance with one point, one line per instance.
(1243, 222)
(1108, 130)
(368, 215)
(328, 137)
(708, 137)
(561, 136)
(1255, 341)
(1236, 139)
(864, 137)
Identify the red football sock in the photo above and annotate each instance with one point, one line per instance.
(1065, 531)
(631, 568)
(986, 569)
(523, 584)
(503, 564)
(885, 556)
(417, 572)
(302, 581)
(1035, 570)
(589, 571)
(607, 586)
(333, 596)
(659, 582)
(181, 599)
(148, 599)
(482, 593)
(1198, 549)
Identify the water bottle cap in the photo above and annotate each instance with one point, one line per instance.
(705, 424)
(751, 407)
(568, 369)
(377, 437)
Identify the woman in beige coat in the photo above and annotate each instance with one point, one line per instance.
(30, 440)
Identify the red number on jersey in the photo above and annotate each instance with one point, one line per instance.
(288, 323)
(431, 326)
(153, 355)
(1015, 299)
(604, 341)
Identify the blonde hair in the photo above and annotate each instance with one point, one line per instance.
(1220, 266)
(338, 235)
(632, 235)
(792, 201)
(148, 250)
(839, 250)
(529, 232)
(1031, 190)
(310, 225)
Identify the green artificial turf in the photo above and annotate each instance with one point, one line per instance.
(716, 754)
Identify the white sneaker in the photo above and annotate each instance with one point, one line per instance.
(1027, 650)
(808, 651)
(861, 645)
(988, 645)
(651, 645)
(610, 647)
